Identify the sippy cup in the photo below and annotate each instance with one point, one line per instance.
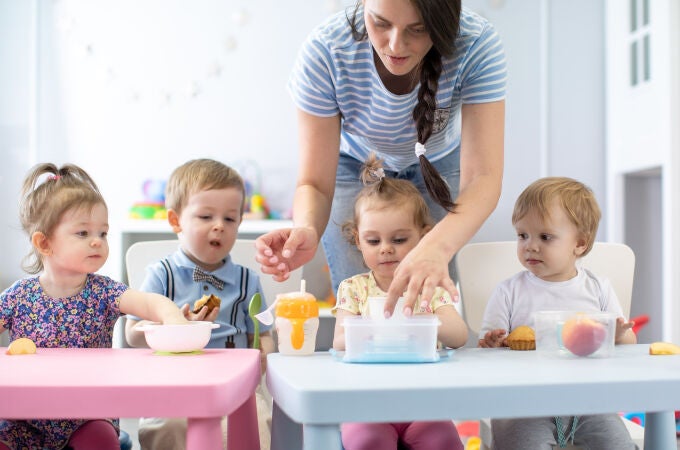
(297, 321)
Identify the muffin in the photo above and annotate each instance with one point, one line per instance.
(522, 338)
(211, 301)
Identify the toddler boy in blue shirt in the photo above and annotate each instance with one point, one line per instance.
(205, 201)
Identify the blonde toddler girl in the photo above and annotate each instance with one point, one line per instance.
(67, 304)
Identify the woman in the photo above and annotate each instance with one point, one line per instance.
(392, 76)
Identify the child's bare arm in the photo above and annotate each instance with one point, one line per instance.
(493, 339)
(150, 306)
(133, 337)
(453, 331)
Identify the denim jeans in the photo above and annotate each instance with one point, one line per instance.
(344, 259)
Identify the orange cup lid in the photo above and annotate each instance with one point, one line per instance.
(296, 304)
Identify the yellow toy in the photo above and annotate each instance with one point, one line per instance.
(473, 443)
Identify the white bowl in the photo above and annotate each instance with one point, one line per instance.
(177, 338)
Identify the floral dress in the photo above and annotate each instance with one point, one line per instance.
(84, 320)
(353, 295)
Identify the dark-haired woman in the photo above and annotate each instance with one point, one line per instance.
(422, 84)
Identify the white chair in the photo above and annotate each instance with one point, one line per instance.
(481, 266)
(141, 254)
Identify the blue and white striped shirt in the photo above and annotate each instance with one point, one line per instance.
(335, 74)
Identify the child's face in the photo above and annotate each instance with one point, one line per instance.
(549, 248)
(208, 225)
(384, 237)
(78, 244)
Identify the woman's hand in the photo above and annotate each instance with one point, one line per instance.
(481, 175)
(282, 251)
(420, 272)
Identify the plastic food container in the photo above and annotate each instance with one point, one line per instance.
(411, 339)
(178, 338)
(376, 307)
(572, 333)
(297, 322)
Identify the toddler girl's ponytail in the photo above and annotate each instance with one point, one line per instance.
(373, 174)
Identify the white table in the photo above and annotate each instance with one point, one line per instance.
(316, 393)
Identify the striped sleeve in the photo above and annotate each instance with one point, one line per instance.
(485, 74)
(311, 83)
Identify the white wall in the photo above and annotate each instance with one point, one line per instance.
(555, 98)
(133, 89)
(115, 79)
(16, 151)
(118, 87)
(643, 143)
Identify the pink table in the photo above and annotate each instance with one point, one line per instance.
(95, 383)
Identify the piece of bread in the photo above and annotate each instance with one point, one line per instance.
(522, 338)
(663, 348)
(21, 346)
(211, 301)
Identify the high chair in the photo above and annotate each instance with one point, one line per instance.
(481, 266)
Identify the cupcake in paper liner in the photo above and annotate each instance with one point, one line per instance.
(522, 338)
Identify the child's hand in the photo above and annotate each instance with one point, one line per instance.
(203, 314)
(174, 319)
(622, 333)
(493, 339)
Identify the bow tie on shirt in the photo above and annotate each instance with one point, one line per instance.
(201, 275)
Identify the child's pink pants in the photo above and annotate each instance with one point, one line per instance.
(98, 434)
(412, 435)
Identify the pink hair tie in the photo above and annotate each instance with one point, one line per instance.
(54, 177)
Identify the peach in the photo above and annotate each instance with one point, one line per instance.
(583, 336)
(21, 346)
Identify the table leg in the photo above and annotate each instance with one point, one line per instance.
(204, 433)
(322, 436)
(242, 428)
(286, 434)
(660, 431)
